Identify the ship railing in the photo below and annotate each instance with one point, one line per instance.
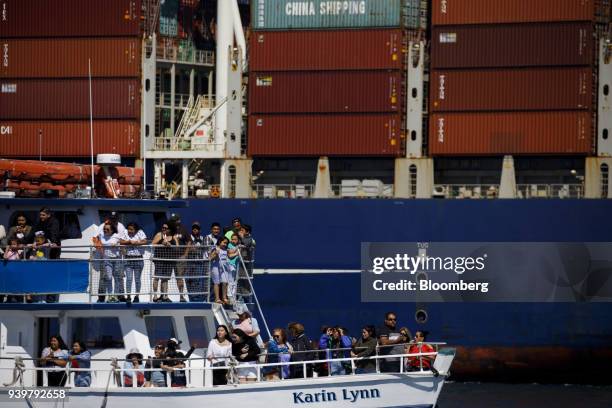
(466, 191)
(164, 100)
(283, 190)
(186, 55)
(107, 273)
(200, 144)
(199, 370)
(307, 191)
(575, 190)
(362, 191)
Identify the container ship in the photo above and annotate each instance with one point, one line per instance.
(325, 124)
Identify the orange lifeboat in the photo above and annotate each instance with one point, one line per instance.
(30, 178)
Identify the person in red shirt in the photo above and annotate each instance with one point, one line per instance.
(419, 346)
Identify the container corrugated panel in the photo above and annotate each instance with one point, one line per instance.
(325, 135)
(68, 58)
(69, 18)
(325, 92)
(69, 138)
(511, 133)
(512, 45)
(168, 18)
(325, 50)
(36, 99)
(449, 12)
(321, 14)
(512, 89)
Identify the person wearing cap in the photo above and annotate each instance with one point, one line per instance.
(156, 377)
(234, 229)
(133, 369)
(134, 237)
(195, 265)
(175, 363)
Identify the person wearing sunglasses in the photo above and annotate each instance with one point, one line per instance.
(390, 340)
(419, 346)
(163, 255)
(279, 351)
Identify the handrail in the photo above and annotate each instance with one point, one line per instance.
(313, 351)
(236, 365)
(180, 270)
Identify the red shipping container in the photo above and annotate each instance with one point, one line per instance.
(312, 50)
(69, 18)
(448, 12)
(512, 89)
(512, 45)
(325, 135)
(325, 91)
(37, 99)
(68, 138)
(68, 58)
(456, 134)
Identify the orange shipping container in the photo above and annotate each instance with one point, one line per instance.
(446, 12)
(36, 99)
(512, 45)
(68, 138)
(512, 89)
(454, 134)
(325, 92)
(325, 135)
(319, 50)
(68, 58)
(70, 18)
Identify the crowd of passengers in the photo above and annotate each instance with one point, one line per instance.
(119, 251)
(242, 347)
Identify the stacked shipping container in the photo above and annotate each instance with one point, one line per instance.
(513, 76)
(44, 95)
(325, 89)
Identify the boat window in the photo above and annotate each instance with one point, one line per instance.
(150, 222)
(68, 222)
(197, 331)
(98, 332)
(159, 329)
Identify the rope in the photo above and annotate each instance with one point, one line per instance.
(232, 371)
(17, 372)
(115, 367)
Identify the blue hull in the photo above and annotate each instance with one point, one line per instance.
(534, 341)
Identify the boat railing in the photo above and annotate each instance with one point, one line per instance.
(114, 373)
(525, 191)
(112, 272)
(575, 190)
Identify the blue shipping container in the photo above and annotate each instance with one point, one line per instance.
(321, 14)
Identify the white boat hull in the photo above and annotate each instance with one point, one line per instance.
(373, 390)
